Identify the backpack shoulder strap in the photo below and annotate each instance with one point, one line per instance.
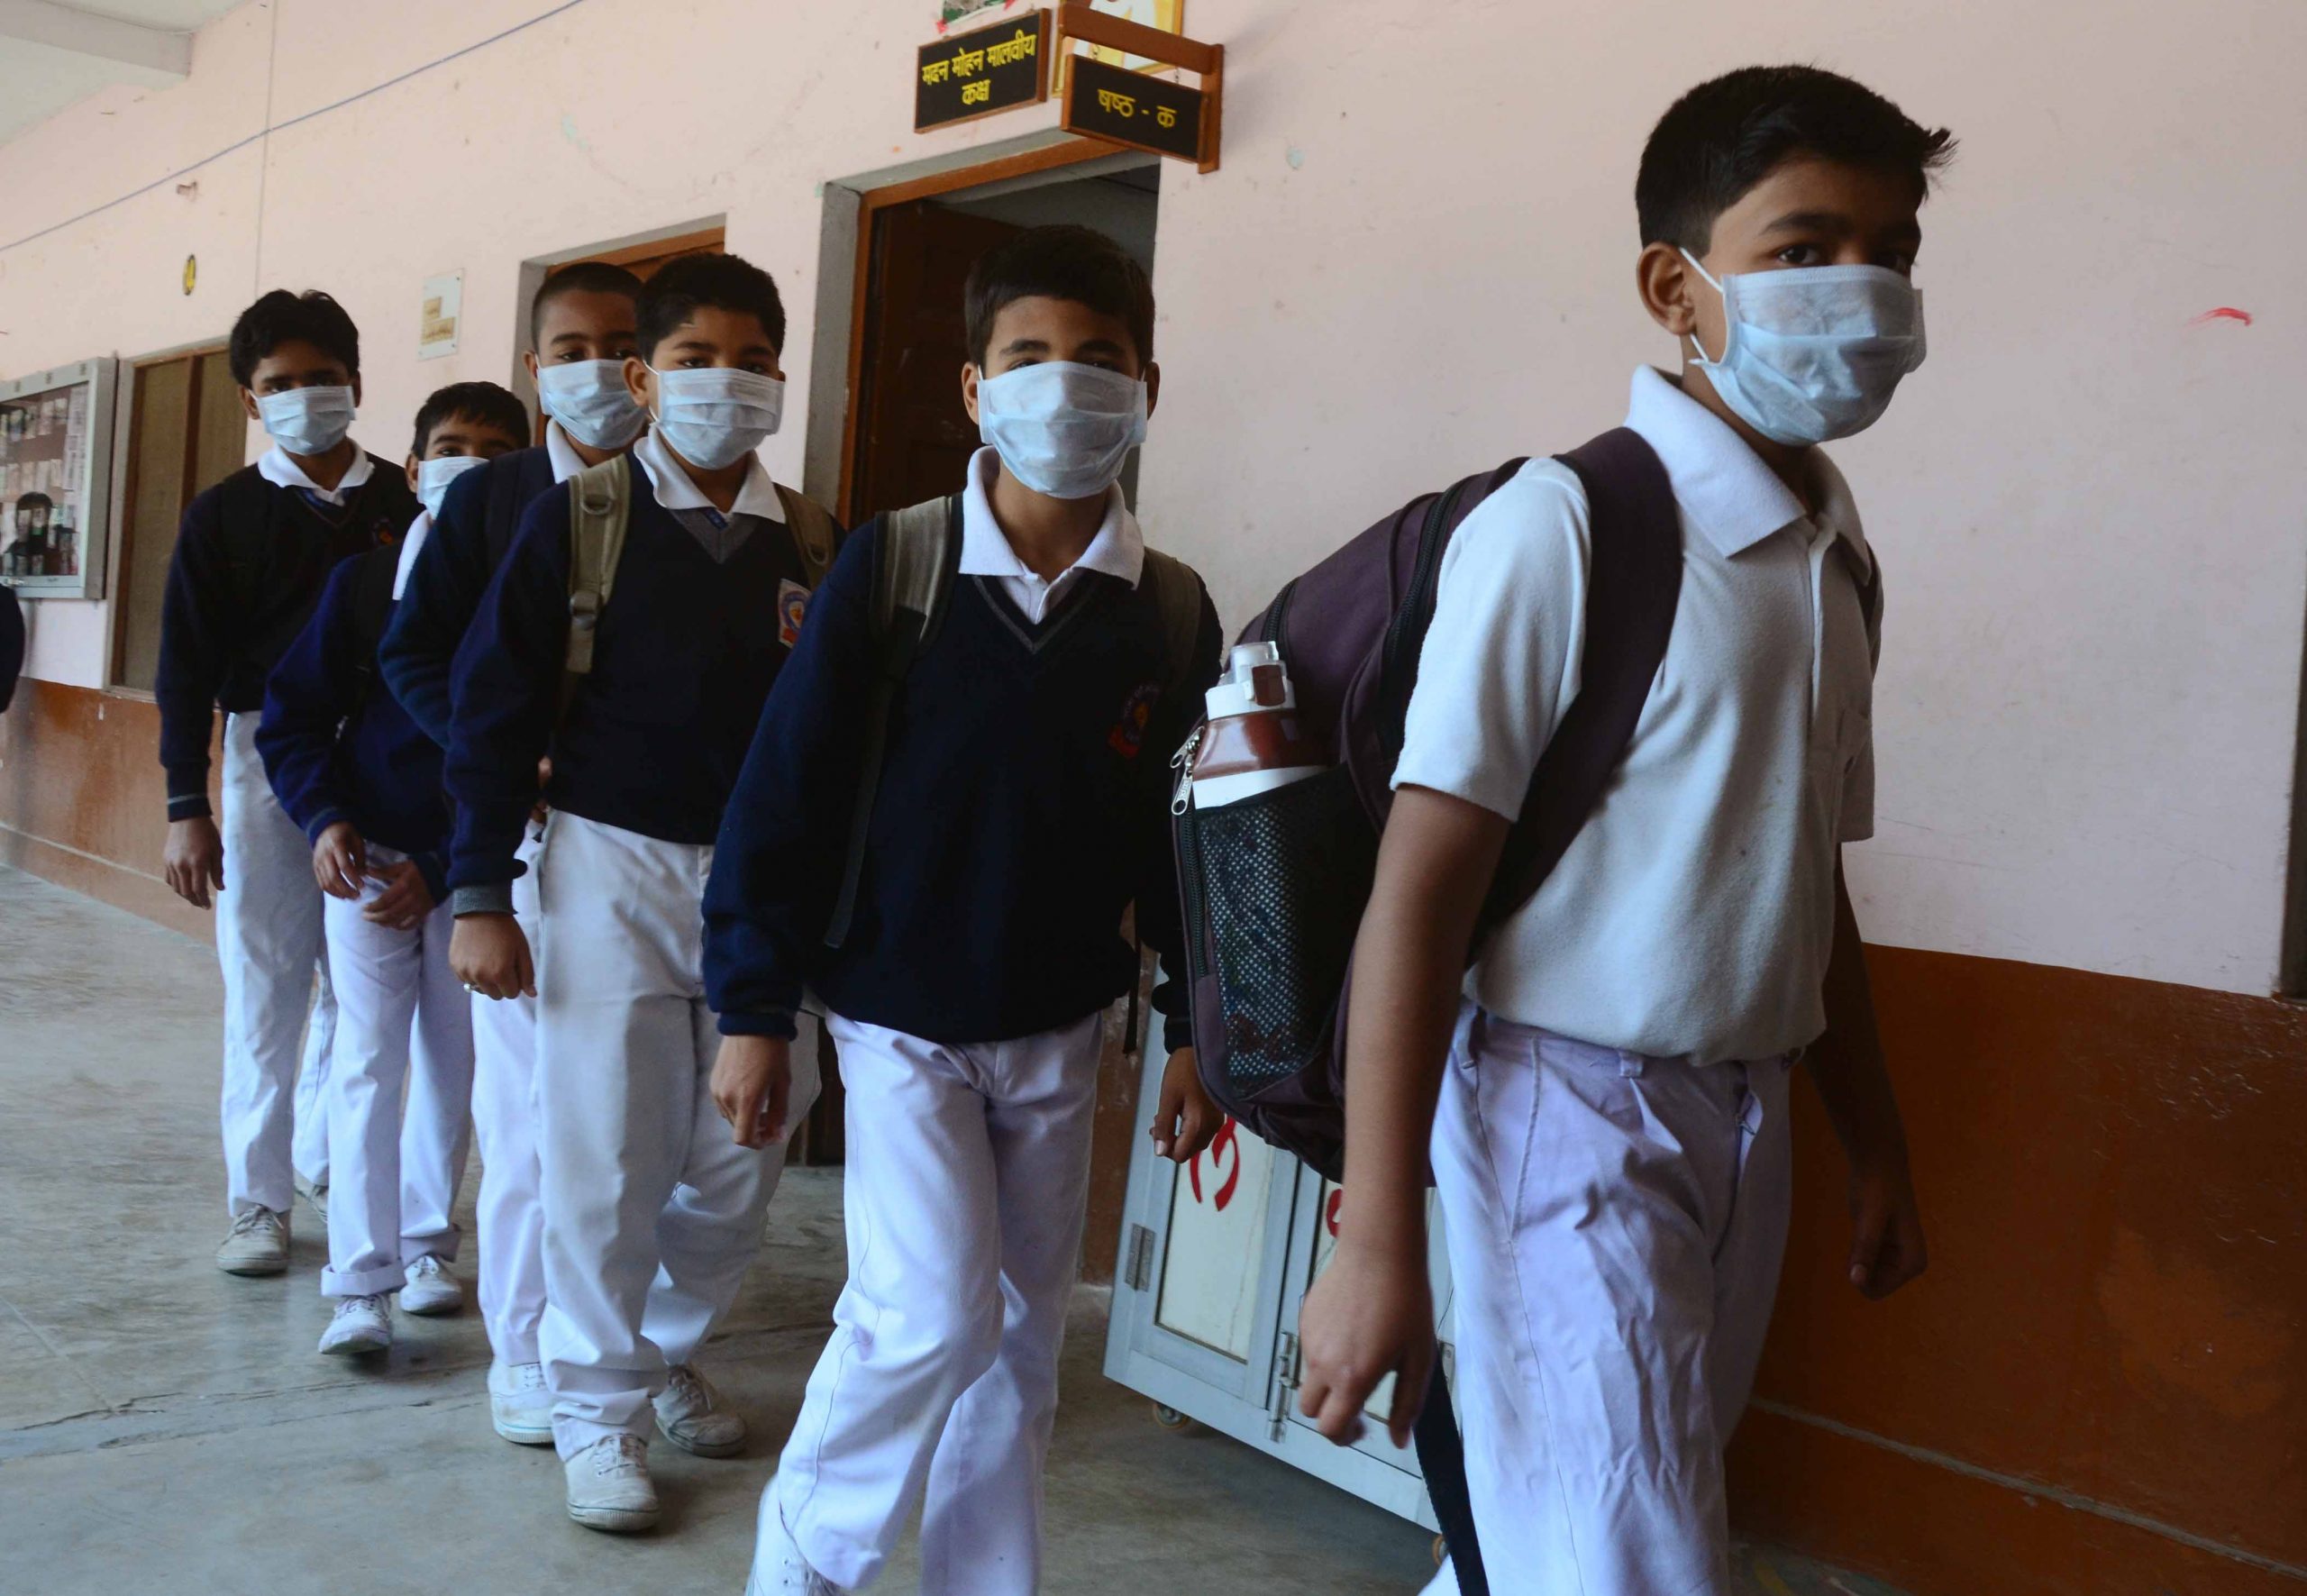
(1176, 596)
(816, 535)
(1633, 586)
(600, 506)
(914, 558)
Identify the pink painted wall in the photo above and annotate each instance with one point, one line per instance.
(1417, 261)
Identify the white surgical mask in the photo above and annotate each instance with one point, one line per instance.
(434, 477)
(590, 401)
(716, 415)
(1813, 353)
(1062, 429)
(307, 421)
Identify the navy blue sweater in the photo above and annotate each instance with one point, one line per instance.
(1024, 805)
(250, 563)
(469, 538)
(683, 656)
(337, 746)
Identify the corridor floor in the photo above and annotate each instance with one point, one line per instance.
(164, 1426)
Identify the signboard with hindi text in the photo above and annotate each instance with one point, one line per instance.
(1125, 107)
(987, 70)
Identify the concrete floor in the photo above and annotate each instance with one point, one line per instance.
(164, 1426)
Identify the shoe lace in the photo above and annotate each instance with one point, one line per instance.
(623, 1454)
(250, 1221)
(368, 1304)
(686, 1386)
(528, 1376)
(428, 1267)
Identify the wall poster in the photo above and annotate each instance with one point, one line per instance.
(55, 431)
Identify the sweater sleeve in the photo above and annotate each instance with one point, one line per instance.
(430, 618)
(784, 840)
(505, 696)
(196, 620)
(309, 693)
(1159, 921)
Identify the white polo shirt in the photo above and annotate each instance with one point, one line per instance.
(1694, 916)
(276, 467)
(1118, 549)
(756, 495)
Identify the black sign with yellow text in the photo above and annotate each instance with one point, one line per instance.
(1125, 107)
(984, 70)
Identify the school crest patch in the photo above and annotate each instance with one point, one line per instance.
(792, 604)
(1128, 735)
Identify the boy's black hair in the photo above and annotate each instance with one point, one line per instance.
(717, 282)
(1719, 141)
(34, 500)
(282, 317)
(483, 402)
(587, 277)
(1061, 262)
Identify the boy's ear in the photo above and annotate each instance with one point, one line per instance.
(247, 403)
(530, 361)
(409, 466)
(356, 391)
(1664, 279)
(1153, 385)
(968, 387)
(641, 383)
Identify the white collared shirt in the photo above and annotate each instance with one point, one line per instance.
(411, 542)
(1695, 913)
(756, 496)
(562, 453)
(1118, 549)
(281, 472)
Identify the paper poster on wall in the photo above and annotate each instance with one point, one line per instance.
(950, 12)
(440, 306)
(55, 472)
(1168, 15)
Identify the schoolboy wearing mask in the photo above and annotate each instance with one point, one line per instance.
(363, 784)
(582, 330)
(1021, 805)
(1603, 1096)
(251, 558)
(635, 1169)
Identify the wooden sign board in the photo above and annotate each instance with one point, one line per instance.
(1126, 107)
(985, 70)
(1105, 102)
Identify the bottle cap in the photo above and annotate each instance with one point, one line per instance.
(1255, 681)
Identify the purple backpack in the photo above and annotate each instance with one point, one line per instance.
(1273, 886)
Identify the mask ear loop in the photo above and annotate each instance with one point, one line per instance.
(1702, 358)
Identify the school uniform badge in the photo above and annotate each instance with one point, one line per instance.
(1128, 735)
(792, 604)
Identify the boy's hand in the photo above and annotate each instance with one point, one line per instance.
(193, 860)
(1370, 1314)
(491, 956)
(753, 1082)
(341, 861)
(1886, 1245)
(1184, 1120)
(405, 900)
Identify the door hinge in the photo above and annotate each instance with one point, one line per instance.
(1139, 1274)
(1287, 1370)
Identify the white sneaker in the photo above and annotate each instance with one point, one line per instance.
(690, 1416)
(361, 1324)
(258, 1243)
(610, 1486)
(779, 1568)
(430, 1289)
(520, 1403)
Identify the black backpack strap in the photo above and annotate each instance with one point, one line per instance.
(1441, 1461)
(1634, 584)
(1405, 640)
(914, 562)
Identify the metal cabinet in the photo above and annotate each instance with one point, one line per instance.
(1215, 1259)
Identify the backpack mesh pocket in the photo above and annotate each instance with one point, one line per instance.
(1284, 877)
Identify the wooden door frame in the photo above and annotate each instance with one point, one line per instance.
(124, 426)
(876, 198)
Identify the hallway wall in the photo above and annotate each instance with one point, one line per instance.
(1415, 261)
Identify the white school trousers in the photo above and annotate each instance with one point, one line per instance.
(504, 1120)
(404, 1036)
(270, 946)
(964, 1197)
(639, 1179)
(1615, 1225)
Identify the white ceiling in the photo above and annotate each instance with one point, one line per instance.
(38, 79)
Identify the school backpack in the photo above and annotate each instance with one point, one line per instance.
(1273, 887)
(600, 509)
(915, 561)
